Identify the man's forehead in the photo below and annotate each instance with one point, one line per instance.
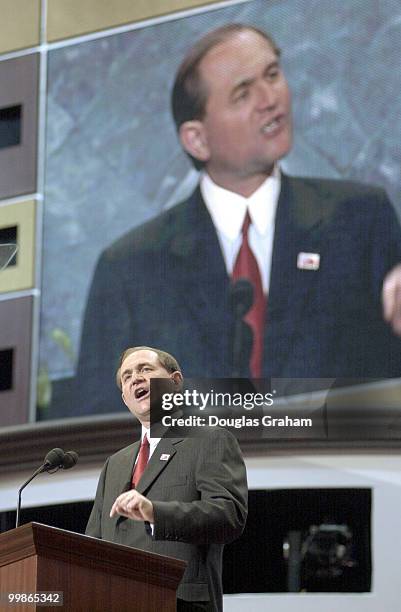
(140, 357)
(236, 48)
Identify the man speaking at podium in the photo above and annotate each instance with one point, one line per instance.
(323, 255)
(180, 497)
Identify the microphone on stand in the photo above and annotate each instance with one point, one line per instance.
(69, 460)
(55, 459)
(241, 299)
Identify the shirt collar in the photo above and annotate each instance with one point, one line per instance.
(147, 432)
(262, 205)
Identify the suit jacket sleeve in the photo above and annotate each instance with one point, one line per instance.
(219, 515)
(94, 526)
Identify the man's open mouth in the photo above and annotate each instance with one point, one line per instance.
(273, 125)
(140, 393)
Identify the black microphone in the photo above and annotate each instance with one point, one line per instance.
(241, 299)
(69, 460)
(241, 296)
(54, 460)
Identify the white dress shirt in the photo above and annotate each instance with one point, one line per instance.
(228, 210)
(153, 442)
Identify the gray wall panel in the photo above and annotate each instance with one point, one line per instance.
(15, 334)
(19, 86)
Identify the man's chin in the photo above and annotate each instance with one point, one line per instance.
(141, 412)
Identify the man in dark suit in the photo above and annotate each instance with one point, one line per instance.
(191, 498)
(328, 251)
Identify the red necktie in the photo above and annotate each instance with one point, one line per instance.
(247, 267)
(142, 462)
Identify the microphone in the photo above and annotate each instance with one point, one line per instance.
(241, 296)
(69, 460)
(241, 299)
(55, 459)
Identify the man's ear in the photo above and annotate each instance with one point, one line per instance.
(177, 378)
(123, 398)
(193, 140)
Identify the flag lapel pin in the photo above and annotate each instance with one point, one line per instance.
(308, 261)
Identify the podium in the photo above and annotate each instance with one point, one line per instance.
(93, 575)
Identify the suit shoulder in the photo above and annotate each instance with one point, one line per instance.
(122, 453)
(215, 435)
(326, 199)
(155, 233)
(337, 187)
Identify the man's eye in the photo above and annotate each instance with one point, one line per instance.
(241, 95)
(273, 74)
(146, 369)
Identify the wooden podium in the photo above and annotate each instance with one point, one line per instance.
(93, 575)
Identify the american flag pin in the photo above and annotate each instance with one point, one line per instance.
(164, 457)
(308, 261)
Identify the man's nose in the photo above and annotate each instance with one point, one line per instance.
(266, 96)
(137, 377)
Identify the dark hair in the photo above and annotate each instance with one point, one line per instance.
(168, 362)
(189, 94)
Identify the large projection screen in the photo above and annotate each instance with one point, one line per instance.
(113, 160)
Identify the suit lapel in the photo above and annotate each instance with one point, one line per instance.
(156, 465)
(126, 466)
(204, 283)
(123, 480)
(297, 229)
